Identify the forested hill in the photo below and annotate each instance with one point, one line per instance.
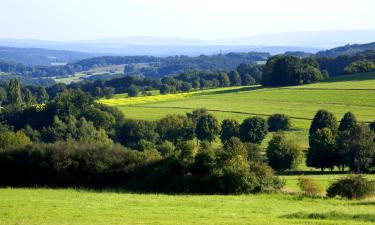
(160, 66)
(41, 57)
(346, 50)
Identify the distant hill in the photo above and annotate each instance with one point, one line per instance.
(41, 57)
(346, 50)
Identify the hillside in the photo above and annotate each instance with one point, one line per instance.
(346, 50)
(354, 93)
(41, 57)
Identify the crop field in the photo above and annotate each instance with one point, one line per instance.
(355, 93)
(83, 207)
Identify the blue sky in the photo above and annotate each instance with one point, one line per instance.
(201, 19)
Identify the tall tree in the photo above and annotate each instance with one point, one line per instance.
(360, 148)
(42, 95)
(323, 119)
(28, 97)
(348, 122)
(14, 92)
(235, 78)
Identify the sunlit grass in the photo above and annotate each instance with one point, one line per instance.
(69, 206)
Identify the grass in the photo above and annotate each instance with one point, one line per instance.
(324, 180)
(77, 206)
(70, 206)
(355, 93)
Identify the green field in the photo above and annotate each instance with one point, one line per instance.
(78, 206)
(354, 93)
(69, 206)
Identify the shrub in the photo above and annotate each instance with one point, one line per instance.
(278, 122)
(309, 186)
(351, 187)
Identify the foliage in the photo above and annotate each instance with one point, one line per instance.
(323, 119)
(359, 148)
(351, 187)
(283, 70)
(207, 128)
(348, 122)
(361, 66)
(283, 154)
(175, 128)
(277, 122)
(229, 128)
(253, 130)
(322, 151)
(309, 186)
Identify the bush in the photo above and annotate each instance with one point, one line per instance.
(309, 186)
(279, 122)
(71, 164)
(351, 187)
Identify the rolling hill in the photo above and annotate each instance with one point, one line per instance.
(355, 93)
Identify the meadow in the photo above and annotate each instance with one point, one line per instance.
(81, 206)
(355, 93)
(85, 207)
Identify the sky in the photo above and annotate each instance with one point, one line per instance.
(63, 20)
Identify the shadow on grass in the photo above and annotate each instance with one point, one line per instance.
(249, 88)
(365, 203)
(331, 216)
(304, 172)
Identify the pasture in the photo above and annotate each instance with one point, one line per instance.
(355, 93)
(83, 207)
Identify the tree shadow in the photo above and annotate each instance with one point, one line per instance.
(242, 89)
(333, 215)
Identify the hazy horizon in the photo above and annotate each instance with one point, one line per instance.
(69, 20)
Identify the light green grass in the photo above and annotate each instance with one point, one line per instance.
(355, 93)
(324, 180)
(68, 206)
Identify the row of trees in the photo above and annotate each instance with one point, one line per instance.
(14, 94)
(347, 144)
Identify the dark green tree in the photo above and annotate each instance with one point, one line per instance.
(207, 128)
(235, 78)
(282, 153)
(133, 91)
(360, 148)
(278, 122)
(14, 92)
(323, 119)
(247, 79)
(322, 151)
(28, 97)
(175, 128)
(42, 95)
(223, 79)
(348, 122)
(229, 128)
(253, 130)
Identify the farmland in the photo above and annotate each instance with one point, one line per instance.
(354, 93)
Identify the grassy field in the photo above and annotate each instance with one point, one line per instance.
(354, 93)
(68, 206)
(324, 180)
(77, 206)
